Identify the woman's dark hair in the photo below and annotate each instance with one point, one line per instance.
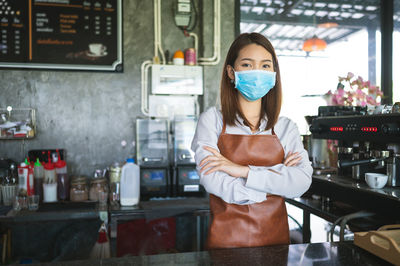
(270, 103)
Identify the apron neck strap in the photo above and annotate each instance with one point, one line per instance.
(223, 126)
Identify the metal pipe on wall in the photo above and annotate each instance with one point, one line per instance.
(159, 31)
(155, 2)
(214, 60)
(144, 100)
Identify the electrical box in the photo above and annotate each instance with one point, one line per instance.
(183, 11)
(172, 79)
(172, 105)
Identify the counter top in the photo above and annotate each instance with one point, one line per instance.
(335, 253)
(336, 188)
(57, 211)
(163, 207)
(385, 201)
(391, 193)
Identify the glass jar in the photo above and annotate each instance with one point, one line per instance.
(79, 190)
(97, 186)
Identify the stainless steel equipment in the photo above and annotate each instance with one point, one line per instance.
(365, 142)
(152, 156)
(186, 179)
(393, 170)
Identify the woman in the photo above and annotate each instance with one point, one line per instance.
(247, 156)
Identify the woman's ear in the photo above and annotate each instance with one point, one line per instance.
(230, 72)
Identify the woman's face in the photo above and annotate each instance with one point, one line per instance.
(251, 57)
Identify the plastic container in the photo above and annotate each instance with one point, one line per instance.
(62, 179)
(30, 184)
(23, 175)
(50, 192)
(178, 58)
(38, 171)
(49, 173)
(130, 183)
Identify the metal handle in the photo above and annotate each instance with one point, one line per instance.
(358, 162)
(147, 159)
(184, 156)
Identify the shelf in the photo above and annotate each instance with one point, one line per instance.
(17, 123)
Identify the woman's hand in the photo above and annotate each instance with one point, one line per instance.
(292, 159)
(217, 162)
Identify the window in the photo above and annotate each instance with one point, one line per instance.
(349, 30)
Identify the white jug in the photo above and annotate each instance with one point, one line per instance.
(130, 183)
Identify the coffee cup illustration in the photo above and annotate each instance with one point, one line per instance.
(97, 49)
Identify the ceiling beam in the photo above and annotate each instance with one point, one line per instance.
(341, 37)
(364, 3)
(285, 38)
(307, 20)
(289, 9)
(292, 6)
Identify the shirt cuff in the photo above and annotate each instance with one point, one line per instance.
(253, 179)
(256, 195)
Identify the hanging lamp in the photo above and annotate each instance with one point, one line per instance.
(314, 43)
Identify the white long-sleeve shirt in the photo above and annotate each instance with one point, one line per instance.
(285, 181)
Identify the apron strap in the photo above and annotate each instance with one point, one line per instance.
(223, 126)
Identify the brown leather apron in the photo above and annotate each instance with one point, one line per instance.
(252, 225)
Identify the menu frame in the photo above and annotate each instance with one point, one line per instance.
(116, 66)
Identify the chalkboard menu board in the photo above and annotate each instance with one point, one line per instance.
(61, 34)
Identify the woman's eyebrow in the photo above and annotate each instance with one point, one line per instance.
(250, 59)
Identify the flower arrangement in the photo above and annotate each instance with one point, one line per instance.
(359, 93)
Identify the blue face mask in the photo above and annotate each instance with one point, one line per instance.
(254, 84)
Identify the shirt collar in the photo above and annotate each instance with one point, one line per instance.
(263, 123)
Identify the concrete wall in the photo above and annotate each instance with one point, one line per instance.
(90, 113)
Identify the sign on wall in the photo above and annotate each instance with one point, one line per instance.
(61, 34)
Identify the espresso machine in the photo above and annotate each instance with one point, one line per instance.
(152, 152)
(366, 142)
(186, 181)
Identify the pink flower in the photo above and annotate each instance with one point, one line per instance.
(359, 93)
(371, 100)
(350, 99)
(340, 92)
(350, 76)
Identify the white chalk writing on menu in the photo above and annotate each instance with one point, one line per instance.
(71, 34)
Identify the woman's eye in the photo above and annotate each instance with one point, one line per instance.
(245, 65)
(266, 66)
